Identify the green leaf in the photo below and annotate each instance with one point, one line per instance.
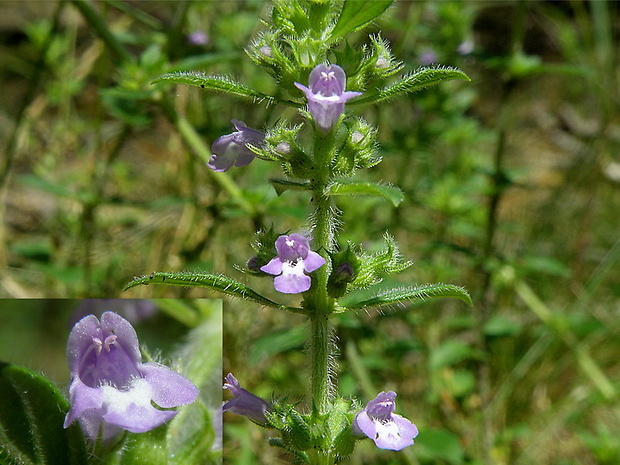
(220, 84)
(420, 79)
(218, 283)
(31, 419)
(391, 193)
(413, 295)
(355, 15)
(281, 185)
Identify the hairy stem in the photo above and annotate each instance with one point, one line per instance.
(318, 303)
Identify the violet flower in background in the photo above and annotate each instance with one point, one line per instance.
(427, 57)
(198, 38)
(294, 258)
(232, 149)
(379, 422)
(244, 402)
(133, 310)
(111, 389)
(326, 94)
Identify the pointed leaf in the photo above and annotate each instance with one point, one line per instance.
(31, 419)
(420, 79)
(391, 193)
(355, 15)
(220, 84)
(218, 283)
(281, 185)
(413, 295)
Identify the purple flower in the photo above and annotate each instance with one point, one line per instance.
(379, 422)
(244, 402)
(111, 389)
(427, 57)
(294, 257)
(198, 38)
(326, 95)
(232, 149)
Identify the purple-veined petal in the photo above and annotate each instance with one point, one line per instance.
(81, 338)
(273, 267)
(168, 388)
(132, 409)
(82, 398)
(313, 261)
(114, 324)
(292, 280)
(244, 402)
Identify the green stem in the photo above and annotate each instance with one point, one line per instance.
(320, 353)
(318, 303)
(93, 18)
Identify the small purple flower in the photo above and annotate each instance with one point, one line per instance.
(244, 402)
(427, 57)
(111, 389)
(232, 149)
(379, 422)
(326, 94)
(294, 257)
(198, 38)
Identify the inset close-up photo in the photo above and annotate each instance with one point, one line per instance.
(110, 381)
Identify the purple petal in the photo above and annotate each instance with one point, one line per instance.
(292, 247)
(313, 261)
(382, 406)
(95, 428)
(305, 90)
(327, 81)
(80, 339)
(244, 159)
(364, 424)
(169, 388)
(273, 267)
(221, 144)
(82, 398)
(221, 163)
(244, 402)
(394, 435)
(114, 324)
(292, 280)
(348, 95)
(132, 409)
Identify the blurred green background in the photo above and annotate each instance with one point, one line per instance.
(512, 186)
